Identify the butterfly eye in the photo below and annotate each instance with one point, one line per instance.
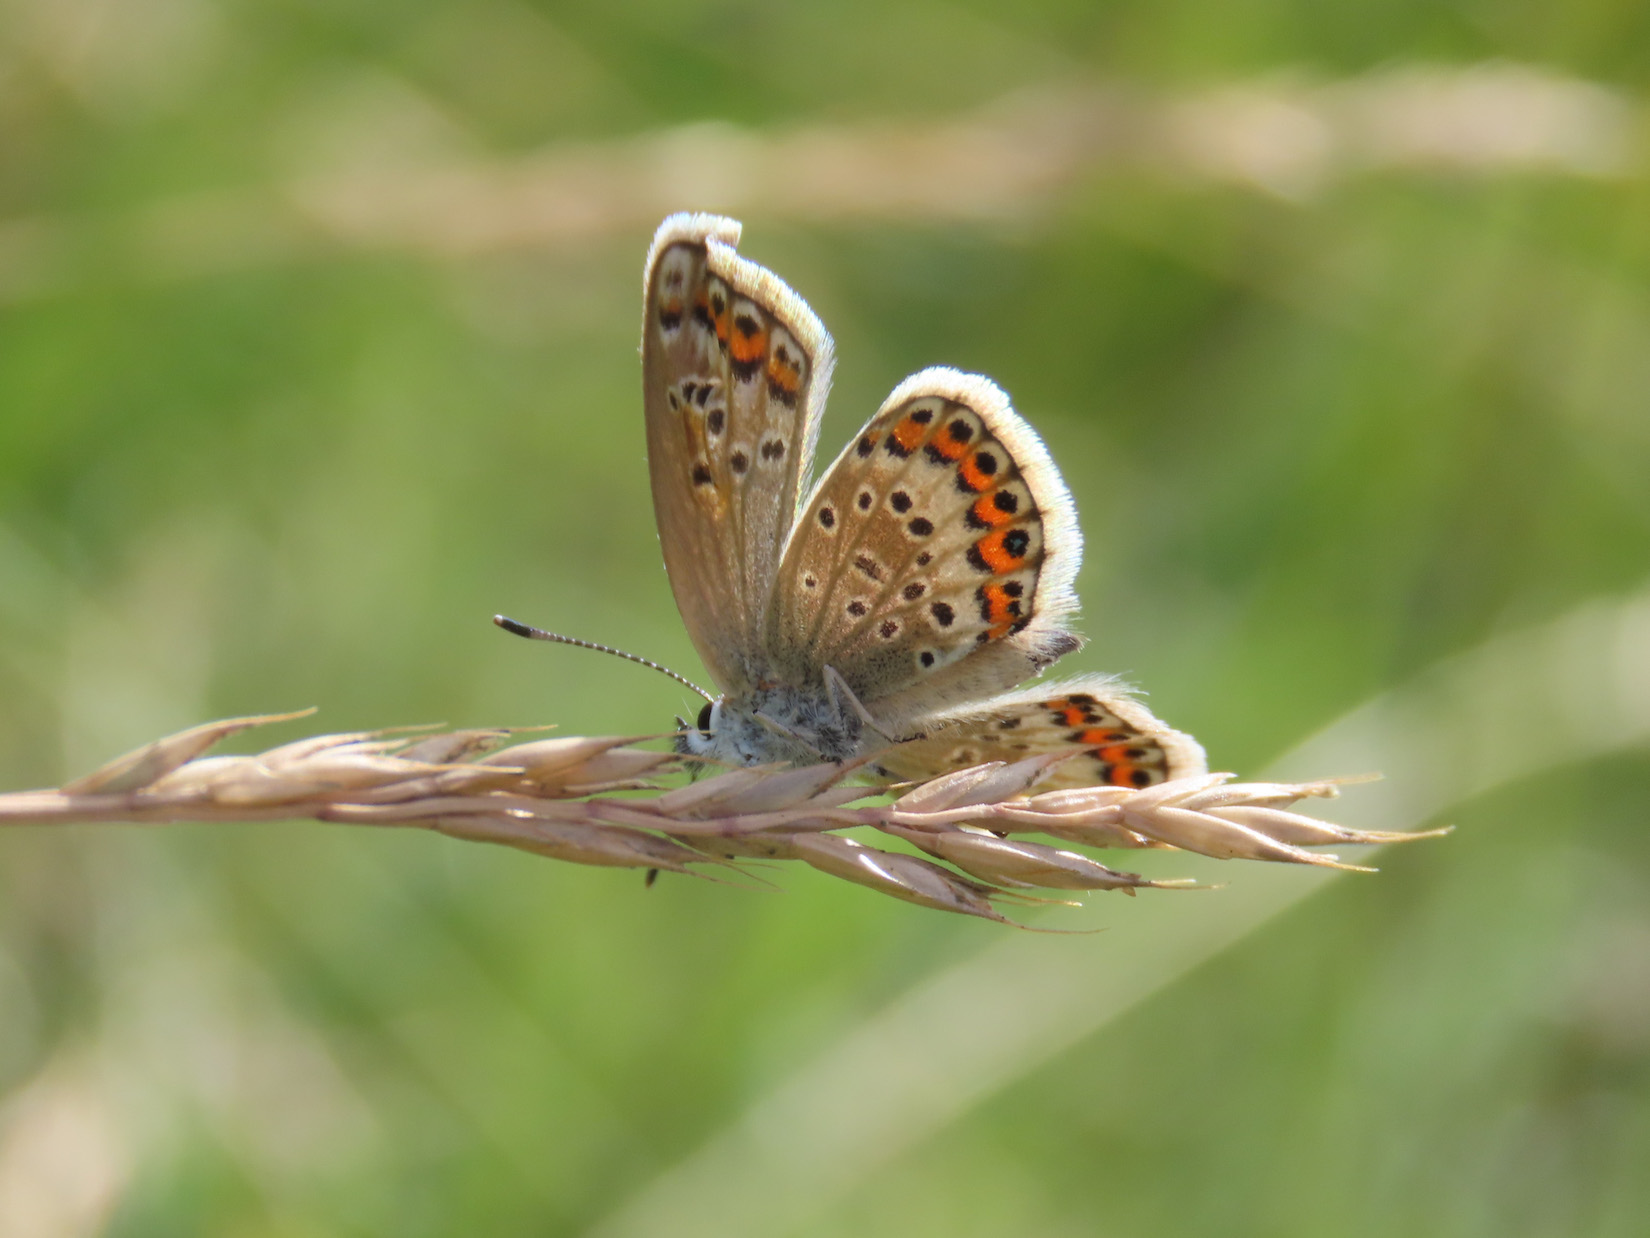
(704, 718)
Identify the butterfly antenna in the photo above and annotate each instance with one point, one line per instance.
(521, 629)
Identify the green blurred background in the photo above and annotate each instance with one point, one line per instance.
(318, 331)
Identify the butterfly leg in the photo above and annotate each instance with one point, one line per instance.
(796, 737)
(841, 696)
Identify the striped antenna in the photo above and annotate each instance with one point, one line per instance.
(522, 629)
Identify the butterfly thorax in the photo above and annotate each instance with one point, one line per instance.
(778, 724)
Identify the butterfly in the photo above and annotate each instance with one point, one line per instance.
(887, 612)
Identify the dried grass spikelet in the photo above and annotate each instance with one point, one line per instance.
(600, 800)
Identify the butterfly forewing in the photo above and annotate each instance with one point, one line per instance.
(735, 368)
(1116, 739)
(933, 563)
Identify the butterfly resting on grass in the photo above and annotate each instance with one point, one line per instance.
(887, 612)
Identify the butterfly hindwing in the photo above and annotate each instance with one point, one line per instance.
(735, 368)
(1118, 740)
(934, 561)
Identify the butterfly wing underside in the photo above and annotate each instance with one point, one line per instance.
(934, 561)
(735, 370)
(1116, 739)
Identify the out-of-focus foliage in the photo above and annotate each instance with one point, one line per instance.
(1322, 431)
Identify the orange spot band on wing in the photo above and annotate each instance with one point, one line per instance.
(996, 551)
(972, 477)
(987, 514)
(787, 376)
(999, 610)
(1102, 735)
(747, 348)
(909, 433)
(718, 322)
(948, 447)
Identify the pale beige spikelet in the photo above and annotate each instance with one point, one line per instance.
(899, 876)
(143, 766)
(602, 800)
(1014, 862)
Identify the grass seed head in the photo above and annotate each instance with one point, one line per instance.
(595, 801)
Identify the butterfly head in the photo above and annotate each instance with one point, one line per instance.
(728, 735)
(698, 739)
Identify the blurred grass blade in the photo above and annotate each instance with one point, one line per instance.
(844, 1116)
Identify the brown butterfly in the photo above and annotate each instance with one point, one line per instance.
(888, 611)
